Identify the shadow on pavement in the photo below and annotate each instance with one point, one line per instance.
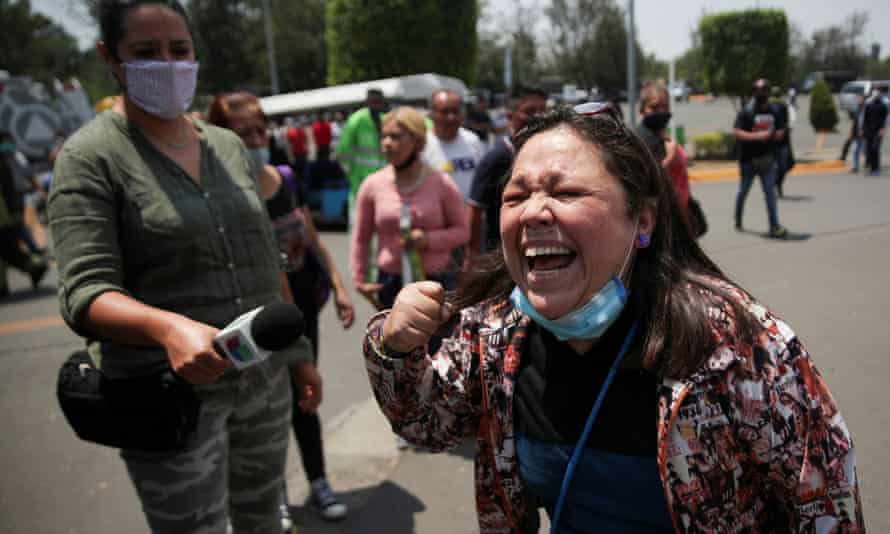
(386, 507)
(796, 198)
(27, 294)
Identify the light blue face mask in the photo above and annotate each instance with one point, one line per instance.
(259, 155)
(591, 320)
(587, 322)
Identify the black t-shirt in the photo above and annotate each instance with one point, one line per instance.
(557, 388)
(485, 191)
(752, 119)
(476, 117)
(653, 141)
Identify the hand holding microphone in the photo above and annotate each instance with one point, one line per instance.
(190, 348)
(419, 311)
(254, 336)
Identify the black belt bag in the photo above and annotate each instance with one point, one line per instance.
(156, 412)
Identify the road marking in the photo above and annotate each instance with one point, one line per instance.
(732, 173)
(29, 325)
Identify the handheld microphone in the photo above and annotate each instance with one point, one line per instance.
(254, 336)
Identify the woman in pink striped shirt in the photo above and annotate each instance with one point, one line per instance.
(406, 191)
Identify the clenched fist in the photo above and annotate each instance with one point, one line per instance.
(418, 312)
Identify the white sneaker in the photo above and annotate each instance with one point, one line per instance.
(326, 502)
(287, 524)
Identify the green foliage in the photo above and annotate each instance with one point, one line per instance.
(691, 65)
(32, 45)
(823, 113)
(740, 47)
(714, 145)
(229, 38)
(526, 68)
(590, 44)
(835, 47)
(384, 38)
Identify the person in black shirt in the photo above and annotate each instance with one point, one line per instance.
(759, 128)
(485, 191)
(873, 124)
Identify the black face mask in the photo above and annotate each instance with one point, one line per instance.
(407, 163)
(760, 99)
(657, 121)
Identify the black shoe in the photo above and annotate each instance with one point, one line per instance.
(778, 232)
(37, 274)
(738, 226)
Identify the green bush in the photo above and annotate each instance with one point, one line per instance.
(823, 114)
(714, 145)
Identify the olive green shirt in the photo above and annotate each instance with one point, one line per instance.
(124, 217)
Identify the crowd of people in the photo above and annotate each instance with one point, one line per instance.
(538, 287)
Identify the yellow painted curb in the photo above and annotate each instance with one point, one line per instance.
(29, 325)
(732, 173)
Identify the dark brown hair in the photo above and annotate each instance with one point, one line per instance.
(668, 276)
(112, 16)
(225, 105)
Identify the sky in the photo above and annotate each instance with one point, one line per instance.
(663, 27)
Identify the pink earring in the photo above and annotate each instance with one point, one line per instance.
(643, 240)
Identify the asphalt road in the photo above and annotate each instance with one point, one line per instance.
(828, 283)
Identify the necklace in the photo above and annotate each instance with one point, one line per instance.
(185, 140)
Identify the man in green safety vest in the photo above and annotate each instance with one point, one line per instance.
(359, 148)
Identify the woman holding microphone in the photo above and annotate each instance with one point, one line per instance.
(162, 238)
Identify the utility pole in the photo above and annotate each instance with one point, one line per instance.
(631, 66)
(270, 48)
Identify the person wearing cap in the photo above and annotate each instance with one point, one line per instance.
(759, 129)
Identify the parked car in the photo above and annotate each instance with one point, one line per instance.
(834, 78)
(851, 91)
(680, 91)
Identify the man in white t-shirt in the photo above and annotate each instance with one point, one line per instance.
(450, 147)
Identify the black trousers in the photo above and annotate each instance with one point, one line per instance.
(873, 152)
(307, 426)
(11, 252)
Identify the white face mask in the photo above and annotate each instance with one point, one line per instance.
(164, 89)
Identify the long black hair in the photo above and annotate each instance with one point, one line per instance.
(112, 15)
(668, 276)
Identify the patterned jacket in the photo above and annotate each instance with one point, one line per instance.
(751, 442)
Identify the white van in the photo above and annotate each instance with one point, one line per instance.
(851, 91)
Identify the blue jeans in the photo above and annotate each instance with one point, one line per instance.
(857, 151)
(767, 183)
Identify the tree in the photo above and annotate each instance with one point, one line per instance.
(384, 38)
(823, 114)
(691, 65)
(836, 47)
(227, 46)
(526, 68)
(739, 47)
(33, 45)
(300, 46)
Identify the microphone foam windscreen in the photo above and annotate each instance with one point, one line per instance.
(277, 325)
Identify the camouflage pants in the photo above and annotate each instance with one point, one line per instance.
(232, 468)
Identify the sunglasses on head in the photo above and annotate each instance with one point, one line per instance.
(589, 109)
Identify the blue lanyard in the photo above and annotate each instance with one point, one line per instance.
(579, 447)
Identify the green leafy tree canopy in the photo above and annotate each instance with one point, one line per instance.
(384, 38)
(823, 113)
(742, 46)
